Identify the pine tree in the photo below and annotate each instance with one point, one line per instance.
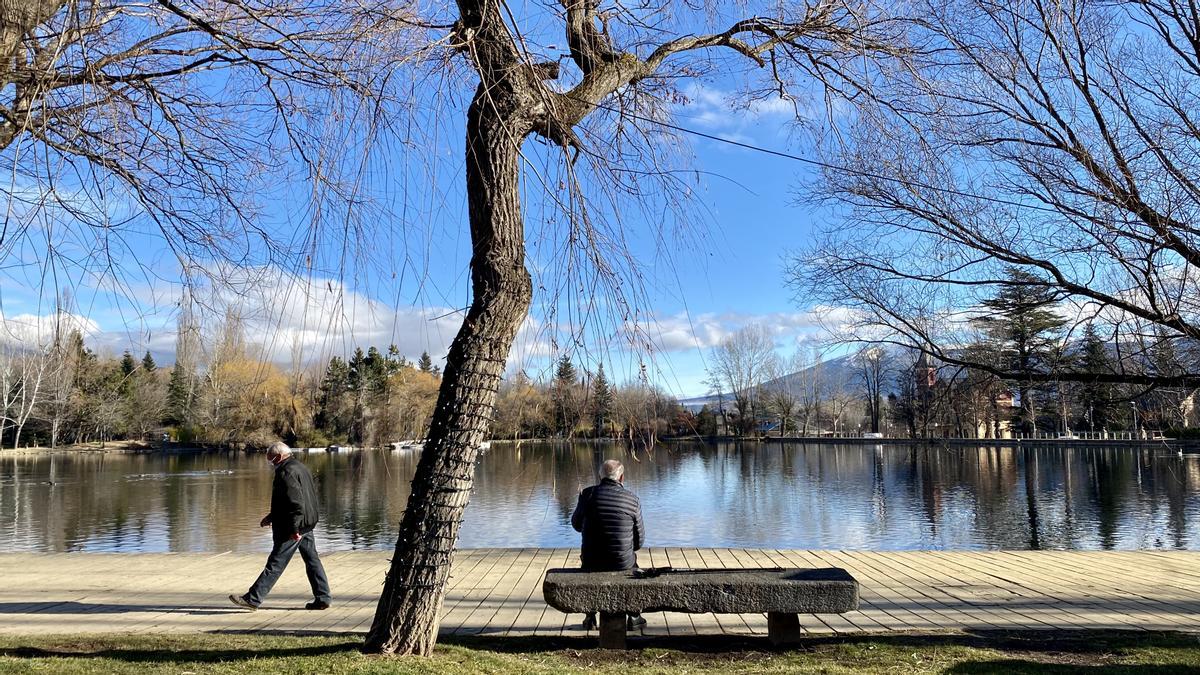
(1095, 398)
(565, 408)
(425, 364)
(377, 371)
(332, 404)
(358, 370)
(706, 422)
(1164, 405)
(393, 360)
(148, 364)
(602, 400)
(128, 365)
(180, 395)
(1025, 331)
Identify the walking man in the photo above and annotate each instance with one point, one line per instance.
(292, 518)
(610, 518)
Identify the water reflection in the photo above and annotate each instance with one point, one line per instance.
(752, 495)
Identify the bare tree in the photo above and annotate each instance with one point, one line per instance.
(780, 394)
(66, 345)
(1054, 138)
(839, 400)
(874, 373)
(811, 386)
(623, 67)
(177, 118)
(118, 98)
(739, 366)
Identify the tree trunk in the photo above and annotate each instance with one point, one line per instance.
(406, 620)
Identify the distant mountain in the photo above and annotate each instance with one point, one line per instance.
(843, 370)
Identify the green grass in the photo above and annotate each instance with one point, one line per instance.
(966, 653)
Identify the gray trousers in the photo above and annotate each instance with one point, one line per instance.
(281, 554)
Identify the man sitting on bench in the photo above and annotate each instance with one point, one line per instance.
(610, 518)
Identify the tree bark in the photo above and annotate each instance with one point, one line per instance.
(406, 619)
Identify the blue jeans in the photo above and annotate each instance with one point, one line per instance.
(281, 555)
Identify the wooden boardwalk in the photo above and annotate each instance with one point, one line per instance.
(498, 592)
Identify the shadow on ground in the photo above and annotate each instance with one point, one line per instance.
(1033, 652)
(85, 608)
(165, 654)
(1048, 641)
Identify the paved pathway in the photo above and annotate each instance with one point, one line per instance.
(498, 592)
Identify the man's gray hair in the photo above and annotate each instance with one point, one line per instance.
(279, 448)
(613, 469)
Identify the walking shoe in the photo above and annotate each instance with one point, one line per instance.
(241, 601)
(317, 604)
(636, 621)
(589, 621)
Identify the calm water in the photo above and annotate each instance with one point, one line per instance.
(850, 497)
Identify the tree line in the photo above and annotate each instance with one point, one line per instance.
(1060, 379)
(223, 391)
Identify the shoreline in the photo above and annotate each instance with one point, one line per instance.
(144, 448)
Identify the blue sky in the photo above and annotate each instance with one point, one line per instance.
(404, 284)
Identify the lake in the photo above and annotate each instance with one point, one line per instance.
(759, 495)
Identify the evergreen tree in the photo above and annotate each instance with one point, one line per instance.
(181, 392)
(1025, 331)
(1095, 398)
(357, 370)
(706, 422)
(333, 403)
(1164, 406)
(359, 384)
(566, 413)
(398, 361)
(395, 362)
(425, 364)
(376, 371)
(565, 371)
(128, 365)
(602, 400)
(148, 364)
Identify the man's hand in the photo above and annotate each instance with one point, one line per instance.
(296, 536)
(266, 521)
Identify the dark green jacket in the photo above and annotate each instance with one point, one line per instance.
(293, 500)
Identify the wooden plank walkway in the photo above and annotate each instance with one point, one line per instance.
(498, 592)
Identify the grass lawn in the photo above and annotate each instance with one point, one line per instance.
(1042, 652)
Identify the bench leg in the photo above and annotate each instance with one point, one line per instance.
(612, 631)
(783, 629)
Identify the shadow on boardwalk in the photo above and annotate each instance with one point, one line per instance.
(73, 607)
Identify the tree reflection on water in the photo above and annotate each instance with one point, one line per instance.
(765, 495)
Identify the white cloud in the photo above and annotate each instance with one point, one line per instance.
(724, 114)
(682, 333)
(286, 314)
(30, 331)
(282, 314)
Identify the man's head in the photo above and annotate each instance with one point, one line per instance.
(613, 469)
(278, 452)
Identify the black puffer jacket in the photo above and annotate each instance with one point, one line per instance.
(610, 518)
(293, 500)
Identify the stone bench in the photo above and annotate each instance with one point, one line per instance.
(781, 593)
